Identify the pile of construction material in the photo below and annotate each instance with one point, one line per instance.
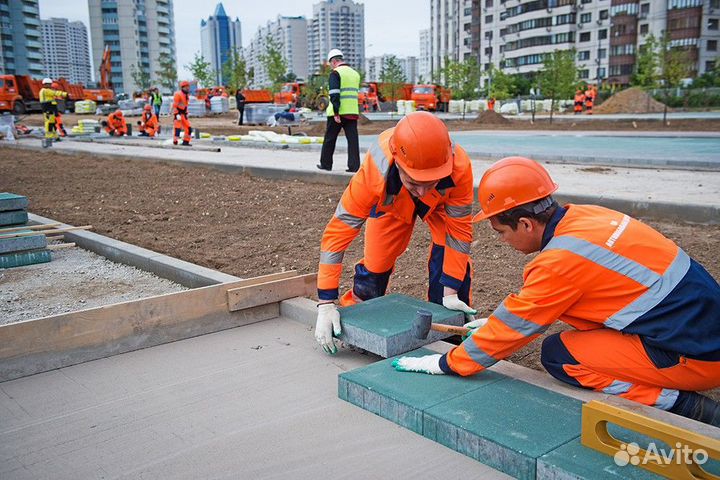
(219, 104)
(22, 244)
(86, 126)
(196, 108)
(405, 106)
(85, 107)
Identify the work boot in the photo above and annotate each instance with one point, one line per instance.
(323, 168)
(186, 144)
(698, 407)
(57, 139)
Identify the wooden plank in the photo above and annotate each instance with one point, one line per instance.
(275, 291)
(45, 232)
(60, 246)
(29, 227)
(247, 282)
(44, 344)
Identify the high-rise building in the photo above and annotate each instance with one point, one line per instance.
(290, 35)
(606, 34)
(66, 50)
(450, 32)
(138, 33)
(336, 24)
(424, 58)
(374, 68)
(219, 36)
(20, 38)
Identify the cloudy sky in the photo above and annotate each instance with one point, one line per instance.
(391, 26)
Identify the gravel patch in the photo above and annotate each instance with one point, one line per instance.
(75, 279)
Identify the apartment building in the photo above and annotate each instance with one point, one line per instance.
(450, 32)
(66, 50)
(425, 56)
(288, 33)
(219, 36)
(20, 38)
(374, 68)
(336, 24)
(138, 32)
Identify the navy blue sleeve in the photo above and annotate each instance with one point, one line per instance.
(334, 87)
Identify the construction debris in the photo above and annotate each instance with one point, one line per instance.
(632, 100)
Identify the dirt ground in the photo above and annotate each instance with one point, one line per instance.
(248, 226)
(226, 124)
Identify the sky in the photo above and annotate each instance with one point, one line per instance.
(391, 26)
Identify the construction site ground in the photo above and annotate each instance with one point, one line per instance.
(248, 226)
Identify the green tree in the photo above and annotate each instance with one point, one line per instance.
(235, 71)
(675, 66)
(647, 64)
(167, 74)
(140, 76)
(501, 84)
(558, 76)
(463, 78)
(392, 76)
(711, 78)
(201, 71)
(274, 63)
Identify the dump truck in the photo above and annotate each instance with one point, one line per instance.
(373, 93)
(312, 94)
(431, 97)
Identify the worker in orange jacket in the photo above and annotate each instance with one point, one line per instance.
(579, 101)
(181, 100)
(413, 171)
(148, 124)
(59, 126)
(115, 124)
(590, 95)
(491, 104)
(645, 314)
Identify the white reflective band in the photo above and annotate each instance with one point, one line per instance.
(379, 159)
(477, 355)
(667, 399)
(617, 387)
(618, 231)
(334, 91)
(350, 220)
(519, 324)
(331, 258)
(457, 245)
(458, 211)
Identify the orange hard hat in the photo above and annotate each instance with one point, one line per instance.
(55, 85)
(147, 107)
(118, 112)
(511, 182)
(184, 83)
(421, 145)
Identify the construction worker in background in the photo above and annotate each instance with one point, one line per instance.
(491, 104)
(181, 100)
(156, 100)
(342, 112)
(115, 125)
(240, 103)
(48, 104)
(590, 94)
(579, 101)
(645, 313)
(59, 127)
(413, 171)
(148, 125)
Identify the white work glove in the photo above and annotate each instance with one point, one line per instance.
(328, 323)
(178, 117)
(428, 364)
(474, 325)
(452, 302)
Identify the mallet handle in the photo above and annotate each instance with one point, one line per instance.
(441, 327)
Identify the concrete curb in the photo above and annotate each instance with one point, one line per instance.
(684, 213)
(179, 271)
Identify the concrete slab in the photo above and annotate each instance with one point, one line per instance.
(18, 259)
(383, 325)
(18, 244)
(13, 217)
(401, 397)
(259, 401)
(12, 201)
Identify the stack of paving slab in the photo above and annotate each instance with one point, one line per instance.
(86, 126)
(18, 251)
(513, 426)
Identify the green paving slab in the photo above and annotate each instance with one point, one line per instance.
(401, 397)
(383, 325)
(13, 217)
(506, 425)
(9, 260)
(11, 201)
(18, 244)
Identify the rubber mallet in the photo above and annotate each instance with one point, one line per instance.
(423, 324)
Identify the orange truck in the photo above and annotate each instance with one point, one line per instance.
(431, 97)
(290, 93)
(372, 93)
(21, 93)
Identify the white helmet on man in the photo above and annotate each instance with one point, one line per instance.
(47, 81)
(334, 53)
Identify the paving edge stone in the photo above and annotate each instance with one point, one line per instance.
(164, 266)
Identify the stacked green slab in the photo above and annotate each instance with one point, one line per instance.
(513, 426)
(10, 244)
(19, 259)
(383, 325)
(13, 209)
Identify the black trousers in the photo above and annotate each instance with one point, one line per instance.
(241, 111)
(331, 133)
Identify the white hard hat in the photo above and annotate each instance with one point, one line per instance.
(46, 80)
(334, 53)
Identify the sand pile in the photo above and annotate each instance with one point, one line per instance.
(632, 100)
(489, 117)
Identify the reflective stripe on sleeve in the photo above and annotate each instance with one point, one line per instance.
(381, 163)
(334, 91)
(457, 245)
(477, 355)
(348, 219)
(519, 324)
(617, 387)
(331, 258)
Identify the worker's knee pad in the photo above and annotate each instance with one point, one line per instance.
(554, 355)
(435, 272)
(367, 285)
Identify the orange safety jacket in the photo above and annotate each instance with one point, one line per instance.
(180, 103)
(579, 97)
(599, 268)
(367, 194)
(116, 121)
(149, 123)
